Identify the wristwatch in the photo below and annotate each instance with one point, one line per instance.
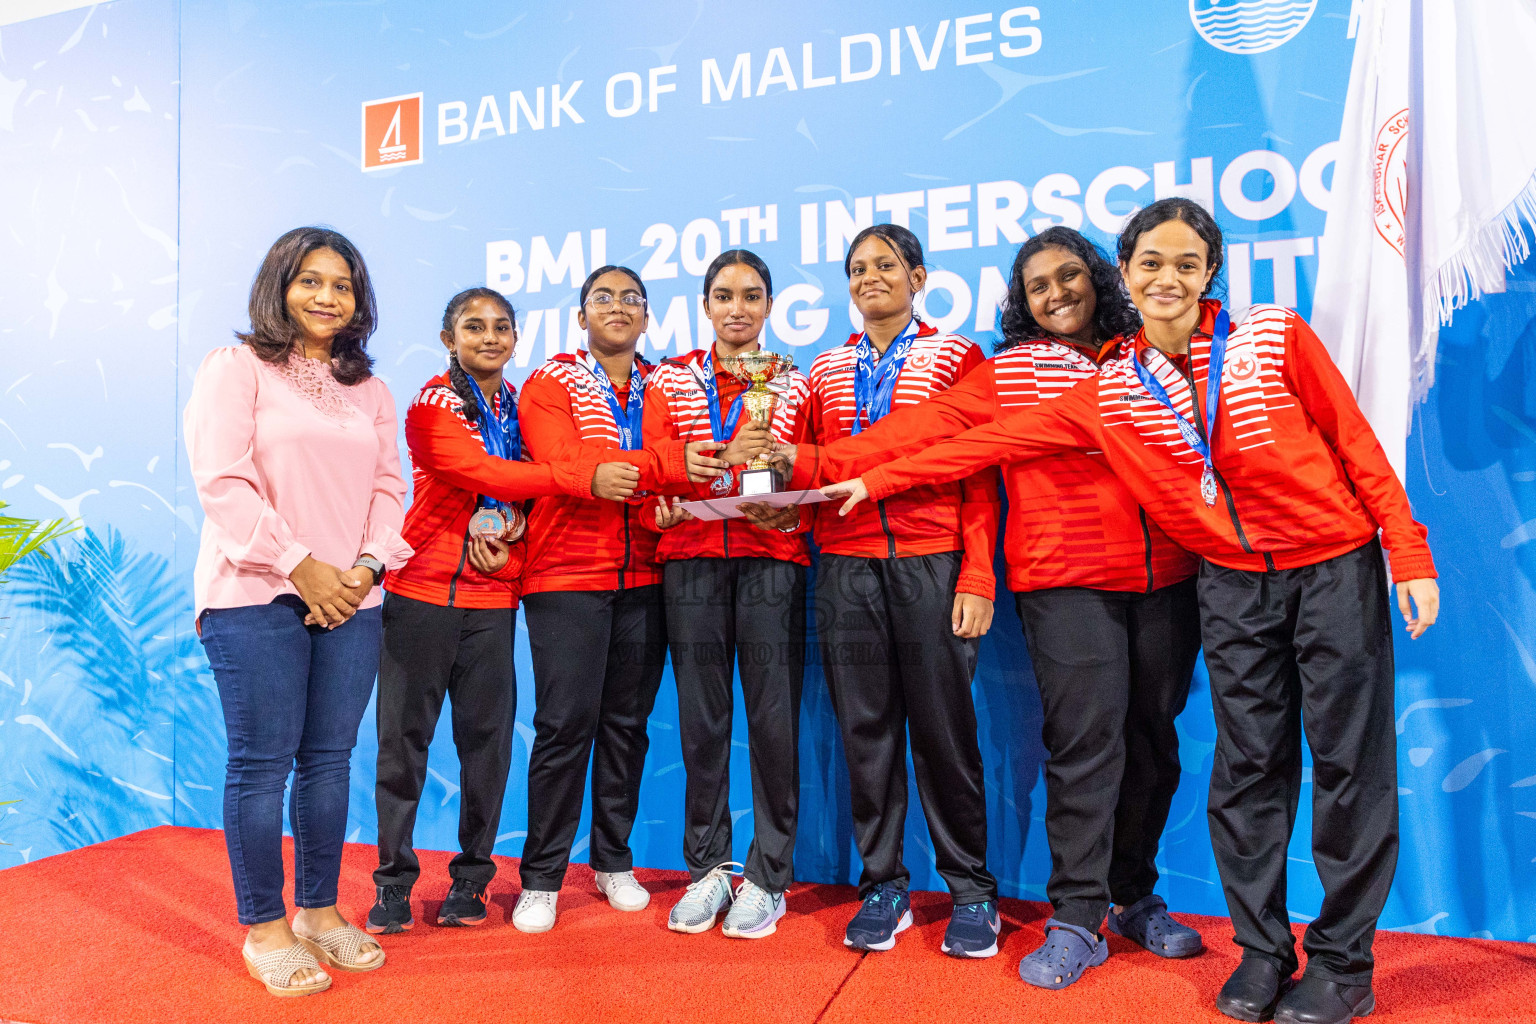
(372, 564)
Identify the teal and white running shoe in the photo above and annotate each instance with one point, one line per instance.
(702, 903)
(754, 913)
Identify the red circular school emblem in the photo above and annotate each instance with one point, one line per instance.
(1389, 164)
(1244, 367)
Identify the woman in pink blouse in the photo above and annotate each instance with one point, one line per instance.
(292, 445)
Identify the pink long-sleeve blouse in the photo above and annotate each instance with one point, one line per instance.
(289, 463)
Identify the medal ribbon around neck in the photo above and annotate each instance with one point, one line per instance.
(500, 434)
(721, 428)
(627, 418)
(874, 378)
(1191, 433)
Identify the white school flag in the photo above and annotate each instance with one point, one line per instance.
(1433, 192)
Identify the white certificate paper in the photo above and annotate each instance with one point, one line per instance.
(725, 508)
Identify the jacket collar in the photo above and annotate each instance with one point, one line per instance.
(1208, 310)
(924, 330)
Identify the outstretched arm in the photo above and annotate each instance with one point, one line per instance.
(1071, 421)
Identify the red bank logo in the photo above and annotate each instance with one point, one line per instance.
(392, 132)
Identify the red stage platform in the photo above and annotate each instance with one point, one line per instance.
(142, 929)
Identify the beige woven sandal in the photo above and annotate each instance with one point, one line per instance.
(275, 970)
(342, 948)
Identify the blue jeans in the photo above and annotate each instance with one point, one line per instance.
(293, 697)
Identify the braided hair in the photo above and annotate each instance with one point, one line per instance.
(457, 378)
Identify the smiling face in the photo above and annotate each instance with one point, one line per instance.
(737, 305)
(613, 324)
(1060, 293)
(483, 337)
(1168, 271)
(320, 300)
(880, 284)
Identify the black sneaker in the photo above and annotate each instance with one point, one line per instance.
(886, 913)
(391, 912)
(465, 904)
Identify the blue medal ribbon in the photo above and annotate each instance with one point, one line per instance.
(1191, 433)
(500, 434)
(874, 376)
(722, 429)
(627, 418)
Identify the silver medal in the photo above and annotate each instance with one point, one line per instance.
(723, 485)
(1208, 485)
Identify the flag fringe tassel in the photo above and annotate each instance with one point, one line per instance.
(1477, 267)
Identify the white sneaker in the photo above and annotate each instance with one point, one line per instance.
(754, 912)
(535, 911)
(702, 903)
(624, 892)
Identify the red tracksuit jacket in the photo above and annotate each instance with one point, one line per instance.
(930, 518)
(589, 543)
(1071, 522)
(676, 412)
(1300, 475)
(450, 470)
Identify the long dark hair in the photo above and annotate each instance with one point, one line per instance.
(273, 332)
(1176, 208)
(456, 375)
(1113, 314)
(901, 240)
(734, 257)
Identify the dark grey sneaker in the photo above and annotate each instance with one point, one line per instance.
(391, 911)
(465, 905)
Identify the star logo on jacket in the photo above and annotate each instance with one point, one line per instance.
(1244, 367)
(921, 360)
(392, 132)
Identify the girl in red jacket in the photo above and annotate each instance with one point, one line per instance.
(903, 592)
(1106, 599)
(449, 612)
(733, 591)
(1244, 443)
(592, 601)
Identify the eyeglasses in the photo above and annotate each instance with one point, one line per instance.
(602, 300)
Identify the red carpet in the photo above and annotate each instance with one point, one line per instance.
(142, 929)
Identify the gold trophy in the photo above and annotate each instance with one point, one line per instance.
(758, 368)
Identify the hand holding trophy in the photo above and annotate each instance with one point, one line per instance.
(758, 368)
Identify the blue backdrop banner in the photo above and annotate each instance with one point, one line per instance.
(154, 149)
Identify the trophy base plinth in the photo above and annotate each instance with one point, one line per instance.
(759, 481)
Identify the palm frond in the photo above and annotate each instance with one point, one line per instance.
(21, 537)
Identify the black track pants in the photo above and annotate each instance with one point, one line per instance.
(1309, 650)
(721, 611)
(597, 659)
(429, 652)
(893, 663)
(1114, 671)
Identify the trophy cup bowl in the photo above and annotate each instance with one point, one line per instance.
(757, 368)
